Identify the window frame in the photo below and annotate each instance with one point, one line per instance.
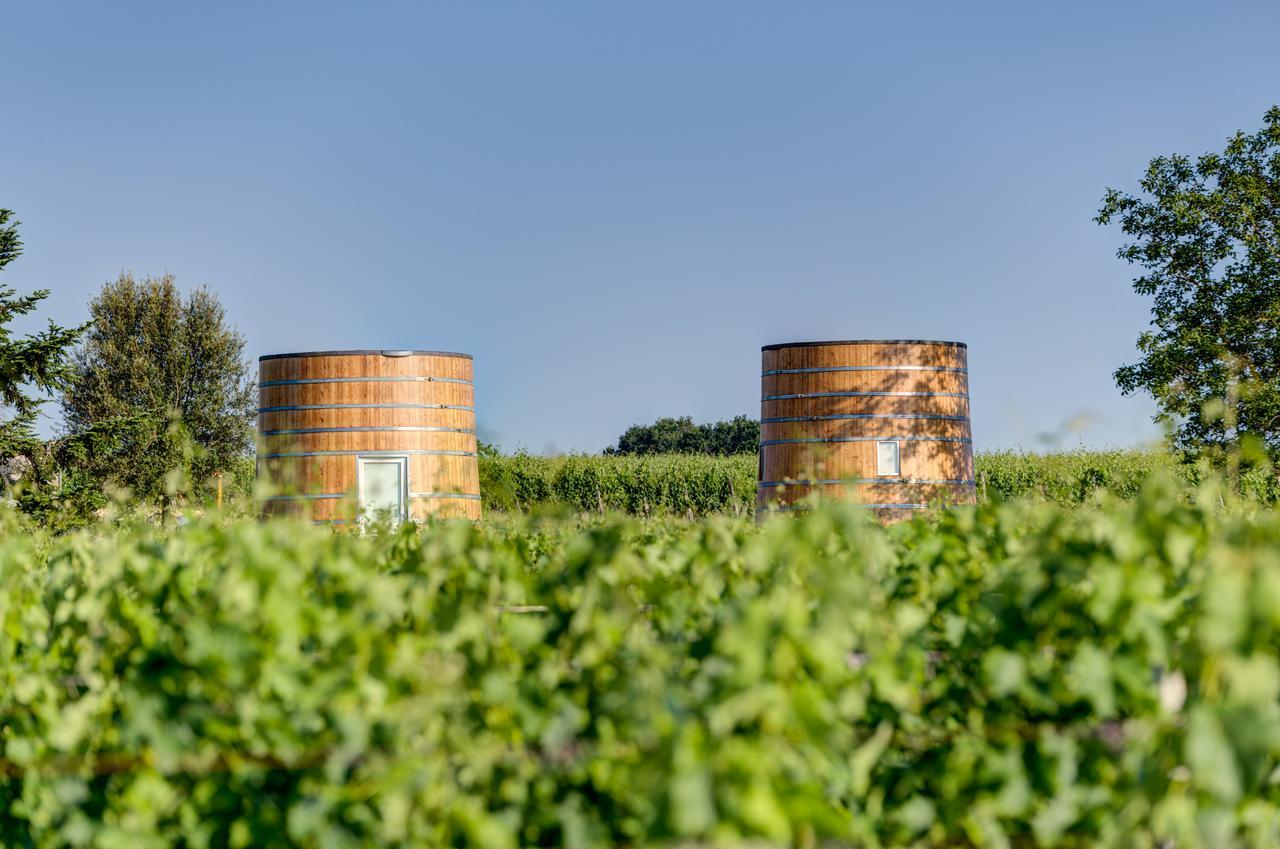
(897, 458)
(402, 460)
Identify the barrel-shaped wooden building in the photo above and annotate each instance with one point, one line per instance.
(348, 436)
(881, 422)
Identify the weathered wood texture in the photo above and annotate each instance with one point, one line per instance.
(825, 405)
(367, 402)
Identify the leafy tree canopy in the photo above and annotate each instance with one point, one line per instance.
(740, 435)
(152, 349)
(1206, 234)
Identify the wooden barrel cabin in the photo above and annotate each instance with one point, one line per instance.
(881, 422)
(347, 436)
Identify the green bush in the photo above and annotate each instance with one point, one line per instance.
(1018, 674)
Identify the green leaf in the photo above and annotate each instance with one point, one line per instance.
(1209, 756)
(1005, 672)
(1089, 676)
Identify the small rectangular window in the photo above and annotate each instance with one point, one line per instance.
(383, 487)
(887, 459)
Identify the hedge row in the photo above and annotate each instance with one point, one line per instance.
(1012, 676)
(1070, 477)
(645, 485)
(700, 485)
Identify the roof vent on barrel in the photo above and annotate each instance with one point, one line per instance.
(881, 422)
(357, 435)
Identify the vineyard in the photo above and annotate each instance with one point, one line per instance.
(261, 590)
(694, 485)
(1020, 674)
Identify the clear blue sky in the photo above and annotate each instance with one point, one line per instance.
(614, 205)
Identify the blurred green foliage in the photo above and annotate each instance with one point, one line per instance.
(1017, 674)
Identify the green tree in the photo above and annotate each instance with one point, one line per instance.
(665, 436)
(1206, 234)
(151, 350)
(740, 435)
(30, 366)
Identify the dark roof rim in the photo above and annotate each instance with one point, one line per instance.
(778, 345)
(363, 352)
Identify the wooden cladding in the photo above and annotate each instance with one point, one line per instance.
(826, 406)
(320, 414)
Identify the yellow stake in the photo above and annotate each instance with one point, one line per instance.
(218, 475)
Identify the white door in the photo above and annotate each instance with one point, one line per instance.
(383, 485)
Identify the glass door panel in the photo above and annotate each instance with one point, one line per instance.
(383, 487)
